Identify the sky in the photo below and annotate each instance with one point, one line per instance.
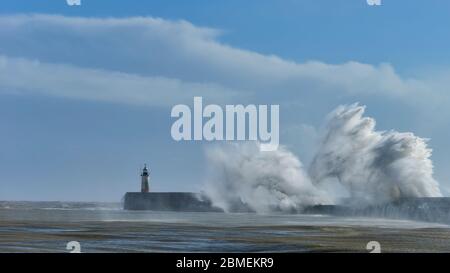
(86, 91)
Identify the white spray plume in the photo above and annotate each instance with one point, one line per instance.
(374, 167)
(242, 174)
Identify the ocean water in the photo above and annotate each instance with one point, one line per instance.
(105, 227)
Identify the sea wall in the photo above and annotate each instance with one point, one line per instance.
(430, 209)
(168, 201)
(420, 209)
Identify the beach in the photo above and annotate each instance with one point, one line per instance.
(49, 226)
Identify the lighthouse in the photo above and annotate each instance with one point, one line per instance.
(165, 201)
(144, 179)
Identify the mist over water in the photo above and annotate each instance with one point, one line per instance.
(374, 167)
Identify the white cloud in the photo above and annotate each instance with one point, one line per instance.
(182, 55)
(159, 62)
(23, 76)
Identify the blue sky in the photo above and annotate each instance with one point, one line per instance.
(397, 32)
(86, 92)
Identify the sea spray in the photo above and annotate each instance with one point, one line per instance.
(374, 166)
(241, 175)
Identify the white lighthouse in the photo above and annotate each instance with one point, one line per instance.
(144, 179)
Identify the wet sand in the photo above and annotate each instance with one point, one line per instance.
(100, 227)
(124, 236)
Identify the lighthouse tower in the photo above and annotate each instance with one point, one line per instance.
(144, 179)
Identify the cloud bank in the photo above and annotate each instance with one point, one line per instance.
(131, 60)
